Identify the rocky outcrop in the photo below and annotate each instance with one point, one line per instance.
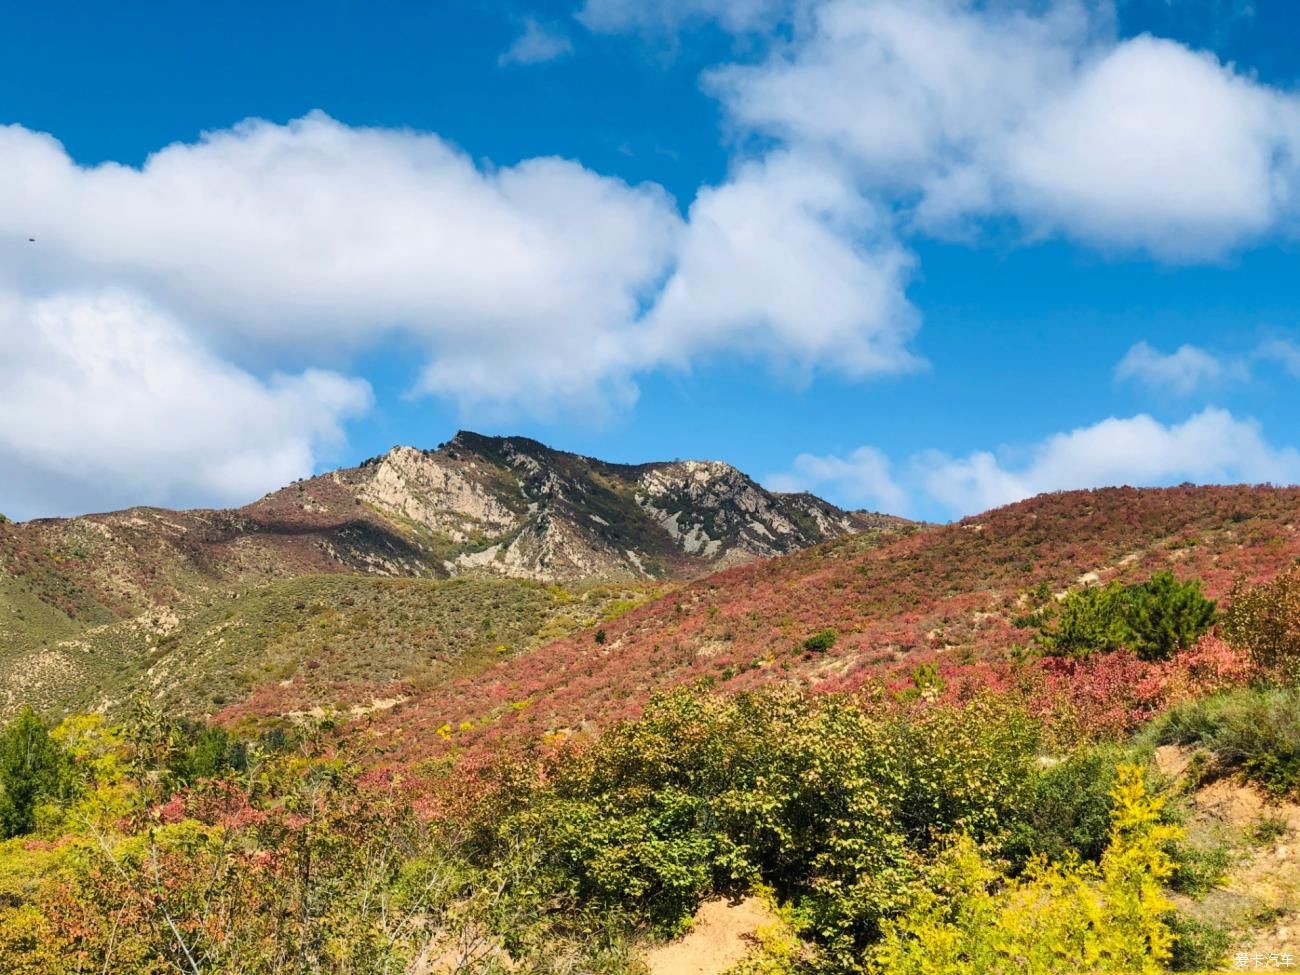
(435, 493)
(515, 507)
(715, 511)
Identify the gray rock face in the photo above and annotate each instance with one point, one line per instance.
(515, 507)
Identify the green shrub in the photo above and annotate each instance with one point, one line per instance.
(1155, 619)
(829, 802)
(32, 767)
(1088, 621)
(927, 684)
(205, 752)
(1265, 622)
(1198, 946)
(821, 640)
(1253, 730)
(1269, 830)
(1068, 809)
(1164, 616)
(1199, 869)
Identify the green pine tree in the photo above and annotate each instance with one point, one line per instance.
(31, 768)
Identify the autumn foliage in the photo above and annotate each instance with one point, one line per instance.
(956, 595)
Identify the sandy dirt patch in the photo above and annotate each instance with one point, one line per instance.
(724, 932)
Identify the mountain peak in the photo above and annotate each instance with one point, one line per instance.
(481, 442)
(514, 506)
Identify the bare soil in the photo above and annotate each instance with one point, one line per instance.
(723, 933)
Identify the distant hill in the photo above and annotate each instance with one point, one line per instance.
(387, 590)
(93, 607)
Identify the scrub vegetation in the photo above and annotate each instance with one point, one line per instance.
(535, 801)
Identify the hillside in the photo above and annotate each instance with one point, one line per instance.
(954, 593)
(498, 505)
(340, 642)
(474, 768)
(96, 608)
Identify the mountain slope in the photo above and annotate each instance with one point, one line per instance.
(91, 600)
(955, 592)
(504, 506)
(333, 641)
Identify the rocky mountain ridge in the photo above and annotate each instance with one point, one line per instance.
(512, 506)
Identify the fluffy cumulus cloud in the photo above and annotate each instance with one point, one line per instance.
(1155, 146)
(961, 111)
(316, 232)
(109, 401)
(541, 286)
(1210, 446)
(534, 284)
(137, 319)
(863, 479)
(786, 259)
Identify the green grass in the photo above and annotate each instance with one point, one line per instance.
(337, 636)
(1255, 731)
(27, 620)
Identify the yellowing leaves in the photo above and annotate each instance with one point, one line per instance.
(1057, 918)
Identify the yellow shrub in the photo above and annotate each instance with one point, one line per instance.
(1058, 918)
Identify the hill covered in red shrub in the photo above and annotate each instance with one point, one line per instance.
(840, 615)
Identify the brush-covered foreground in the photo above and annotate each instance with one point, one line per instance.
(928, 828)
(884, 830)
(986, 805)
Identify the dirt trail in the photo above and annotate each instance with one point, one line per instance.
(1271, 877)
(723, 933)
(1261, 892)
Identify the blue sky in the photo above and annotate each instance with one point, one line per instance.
(926, 257)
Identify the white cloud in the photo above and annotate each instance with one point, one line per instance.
(108, 401)
(905, 91)
(786, 259)
(318, 235)
(531, 286)
(1211, 446)
(863, 479)
(957, 111)
(1181, 372)
(967, 485)
(536, 44)
(537, 287)
(1158, 147)
(1282, 351)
